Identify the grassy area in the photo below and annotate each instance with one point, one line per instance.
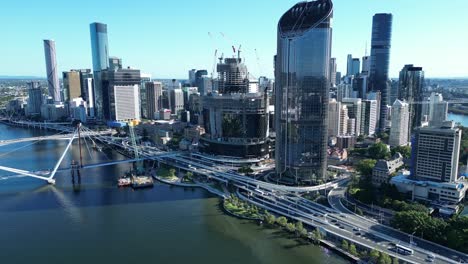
(165, 173)
(240, 208)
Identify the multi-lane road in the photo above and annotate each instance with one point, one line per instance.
(339, 221)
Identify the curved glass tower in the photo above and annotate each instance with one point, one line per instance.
(100, 52)
(302, 77)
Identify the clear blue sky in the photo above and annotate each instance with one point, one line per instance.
(167, 38)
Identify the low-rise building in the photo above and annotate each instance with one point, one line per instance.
(337, 156)
(385, 168)
(452, 192)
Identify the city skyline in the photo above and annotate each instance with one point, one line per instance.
(157, 42)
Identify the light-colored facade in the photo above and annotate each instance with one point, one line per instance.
(51, 68)
(54, 112)
(333, 68)
(334, 118)
(438, 110)
(369, 117)
(400, 124)
(354, 112)
(436, 153)
(343, 126)
(78, 109)
(127, 104)
(176, 100)
(384, 169)
(451, 192)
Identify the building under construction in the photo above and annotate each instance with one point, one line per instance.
(236, 121)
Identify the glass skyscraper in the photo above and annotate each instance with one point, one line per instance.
(380, 60)
(302, 91)
(100, 52)
(410, 88)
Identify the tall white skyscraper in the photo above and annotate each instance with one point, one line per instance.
(127, 103)
(343, 130)
(438, 110)
(354, 112)
(400, 124)
(333, 72)
(51, 67)
(334, 118)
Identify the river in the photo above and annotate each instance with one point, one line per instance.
(462, 119)
(95, 222)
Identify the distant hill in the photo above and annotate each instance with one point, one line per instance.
(20, 77)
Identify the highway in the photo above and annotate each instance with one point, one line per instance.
(286, 200)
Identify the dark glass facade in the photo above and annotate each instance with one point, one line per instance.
(410, 88)
(302, 90)
(380, 60)
(100, 55)
(235, 121)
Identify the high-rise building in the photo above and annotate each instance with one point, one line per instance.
(334, 110)
(438, 110)
(333, 72)
(380, 60)
(354, 106)
(126, 105)
(368, 117)
(236, 121)
(191, 75)
(89, 87)
(366, 62)
(410, 89)
(115, 63)
(187, 92)
(35, 99)
(436, 153)
(119, 101)
(349, 65)
(145, 78)
(344, 121)
(153, 99)
(71, 85)
(203, 82)
(52, 71)
(84, 75)
(176, 98)
(356, 67)
(100, 56)
(338, 78)
(400, 124)
(302, 91)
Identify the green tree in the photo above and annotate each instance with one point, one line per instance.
(379, 151)
(395, 261)
(365, 166)
(282, 221)
(359, 211)
(384, 259)
(270, 219)
(374, 255)
(405, 151)
(301, 231)
(352, 250)
(189, 175)
(172, 172)
(316, 235)
(290, 227)
(345, 245)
